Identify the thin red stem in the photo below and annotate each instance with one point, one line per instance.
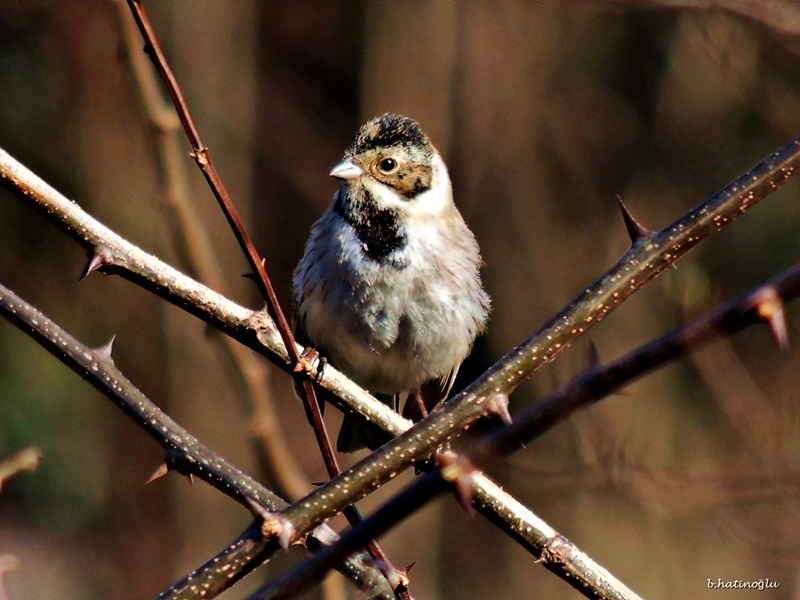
(203, 159)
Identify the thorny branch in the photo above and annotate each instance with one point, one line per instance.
(648, 255)
(204, 162)
(637, 256)
(765, 303)
(203, 159)
(185, 453)
(254, 329)
(200, 257)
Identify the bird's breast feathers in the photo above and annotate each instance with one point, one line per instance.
(398, 323)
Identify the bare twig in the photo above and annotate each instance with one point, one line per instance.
(729, 318)
(202, 259)
(781, 17)
(24, 460)
(99, 370)
(203, 159)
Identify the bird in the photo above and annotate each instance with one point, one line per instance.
(389, 288)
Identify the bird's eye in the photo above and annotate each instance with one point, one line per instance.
(387, 165)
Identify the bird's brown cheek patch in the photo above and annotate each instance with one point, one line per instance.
(412, 180)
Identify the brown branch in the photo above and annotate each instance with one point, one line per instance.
(646, 258)
(24, 460)
(97, 368)
(184, 452)
(733, 316)
(203, 159)
(113, 254)
(201, 258)
(249, 551)
(558, 554)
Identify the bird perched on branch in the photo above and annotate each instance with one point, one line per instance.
(389, 289)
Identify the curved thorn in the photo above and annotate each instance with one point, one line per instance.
(100, 256)
(106, 349)
(497, 405)
(636, 230)
(457, 471)
(162, 470)
(259, 511)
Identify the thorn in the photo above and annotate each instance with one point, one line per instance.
(593, 357)
(456, 470)
(95, 262)
(273, 524)
(173, 462)
(201, 157)
(105, 349)
(550, 553)
(769, 306)
(635, 229)
(99, 257)
(162, 470)
(497, 405)
(257, 509)
(254, 276)
(397, 578)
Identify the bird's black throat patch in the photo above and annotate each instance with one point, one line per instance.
(378, 229)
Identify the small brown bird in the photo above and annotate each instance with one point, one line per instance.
(389, 289)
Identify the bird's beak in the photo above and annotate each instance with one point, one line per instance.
(346, 169)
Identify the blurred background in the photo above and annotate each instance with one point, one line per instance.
(544, 111)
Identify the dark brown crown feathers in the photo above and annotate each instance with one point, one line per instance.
(389, 131)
